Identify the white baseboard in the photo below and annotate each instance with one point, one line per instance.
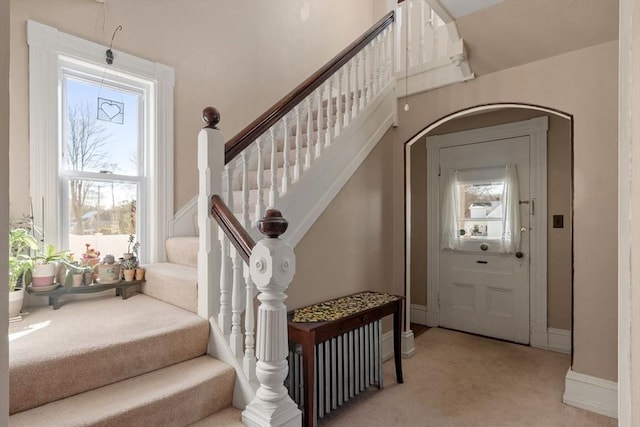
(387, 346)
(559, 340)
(591, 393)
(418, 314)
(433, 318)
(408, 349)
(554, 339)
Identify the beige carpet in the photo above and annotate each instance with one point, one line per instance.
(458, 379)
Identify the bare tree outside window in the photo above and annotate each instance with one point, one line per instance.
(85, 151)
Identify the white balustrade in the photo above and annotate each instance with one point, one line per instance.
(262, 350)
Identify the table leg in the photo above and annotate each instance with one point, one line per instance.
(309, 367)
(397, 349)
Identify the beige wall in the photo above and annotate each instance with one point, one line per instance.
(348, 248)
(584, 84)
(559, 203)
(240, 56)
(4, 206)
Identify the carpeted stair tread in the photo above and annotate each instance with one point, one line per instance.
(229, 417)
(182, 250)
(177, 395)
(173, 283)
(90, 343)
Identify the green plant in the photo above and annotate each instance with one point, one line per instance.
(50, 255)
(133, 246)
(129, 264)
(21, 244)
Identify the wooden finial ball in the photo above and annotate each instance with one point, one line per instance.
(273, 225)
(211, 116)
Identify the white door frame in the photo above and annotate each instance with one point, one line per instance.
(536, 129)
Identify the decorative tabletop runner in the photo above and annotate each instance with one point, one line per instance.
(341, 307)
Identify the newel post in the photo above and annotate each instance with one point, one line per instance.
(210, 169)
(272, 266)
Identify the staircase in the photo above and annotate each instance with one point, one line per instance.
(150, 359)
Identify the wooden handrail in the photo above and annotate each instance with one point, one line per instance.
(246, 136)
(236, 233)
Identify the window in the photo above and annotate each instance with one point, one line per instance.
(103, 169)
(101, 158)
(481, 206)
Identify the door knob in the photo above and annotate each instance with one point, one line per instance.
(484, 247)
(519, 254)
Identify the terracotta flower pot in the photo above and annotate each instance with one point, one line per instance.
(139, 273)
(129, 275)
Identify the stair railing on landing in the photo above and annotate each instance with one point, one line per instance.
(291, 136)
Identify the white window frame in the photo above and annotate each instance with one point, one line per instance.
(49, 51)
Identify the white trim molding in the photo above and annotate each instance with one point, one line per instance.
(418, 314)
(49, 51)
(591, 393)
(387, 345)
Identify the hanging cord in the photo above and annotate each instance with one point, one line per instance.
(109, 51)
(406, 61)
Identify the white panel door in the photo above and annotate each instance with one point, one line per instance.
(482, 290)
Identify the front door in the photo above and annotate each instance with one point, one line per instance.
(484, 271)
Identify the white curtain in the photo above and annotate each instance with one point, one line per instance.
(449, 232)
(510, 242)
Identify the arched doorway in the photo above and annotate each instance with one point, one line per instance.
(558, 288)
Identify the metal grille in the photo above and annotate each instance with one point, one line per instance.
(345, 366)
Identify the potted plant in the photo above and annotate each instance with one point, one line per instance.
(129, 269)
(132, 248)
(44, 270)
(21, 243)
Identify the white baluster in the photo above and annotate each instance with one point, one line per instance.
(249, 362)
(226, 283)
(286, 175)
(260, 179)
(339, 102)
(229, 170)
(377, 65)
(237, 303)
(309, 157)
(297, 168)
(357, 92)
(319, 122)
(245, 189)
(272, 267)
(330, 116)
(273, 192)
(349, 96)
(370, 71)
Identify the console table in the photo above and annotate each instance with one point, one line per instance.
(346, 314)
(121, 288)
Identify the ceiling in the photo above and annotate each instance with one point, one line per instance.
(508, 33)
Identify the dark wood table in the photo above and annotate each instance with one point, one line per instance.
(121, 288)
(308, 334)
